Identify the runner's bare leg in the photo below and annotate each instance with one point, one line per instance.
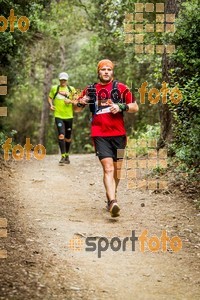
(117, 173)
(108, 177)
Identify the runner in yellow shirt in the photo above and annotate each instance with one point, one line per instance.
(61, 102)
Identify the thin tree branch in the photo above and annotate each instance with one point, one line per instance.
(85, 8)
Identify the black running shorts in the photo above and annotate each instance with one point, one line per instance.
(64, 127)
(108, 146)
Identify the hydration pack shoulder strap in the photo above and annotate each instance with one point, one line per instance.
(115, 93)
(92, 93)
(56, 92)
(69, 88)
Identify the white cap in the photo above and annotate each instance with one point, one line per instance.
(63, 76)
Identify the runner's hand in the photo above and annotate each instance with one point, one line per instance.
(75, 101)
(84, 100)
(67, 101)
(52, 107)
(114, 108)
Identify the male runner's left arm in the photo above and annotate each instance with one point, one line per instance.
(130, 101)
(133, 107)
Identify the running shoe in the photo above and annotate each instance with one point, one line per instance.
(62, 161)
(113, 208)
(67, 161)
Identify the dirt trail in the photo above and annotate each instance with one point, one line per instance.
(55, 204)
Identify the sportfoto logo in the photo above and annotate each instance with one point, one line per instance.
(152, 244)
(154, 94)
(18, 151)
(23, 22)
(140, 22)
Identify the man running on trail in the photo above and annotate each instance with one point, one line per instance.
(60, 100)
(108, 100)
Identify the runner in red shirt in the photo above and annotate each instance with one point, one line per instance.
(108, 100)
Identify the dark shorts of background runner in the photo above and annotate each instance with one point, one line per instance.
(107, 146)
(64, 127)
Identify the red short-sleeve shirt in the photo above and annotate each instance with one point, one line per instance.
(104, 123)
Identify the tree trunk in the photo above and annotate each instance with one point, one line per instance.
(171, 7)
(62, 58)
(45, 109)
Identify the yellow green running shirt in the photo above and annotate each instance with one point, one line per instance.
(62, 110)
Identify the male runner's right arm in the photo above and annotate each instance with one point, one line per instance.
(52, 107)
(50, 98)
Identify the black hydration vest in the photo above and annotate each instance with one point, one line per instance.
(57, 90)
(92, 93)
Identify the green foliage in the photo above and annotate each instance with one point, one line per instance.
(52, 137)
(142, 143)
(4, 136)
(141, 139)
(187, 124)
(81, 133)
(82, 68)
(150, 132)
(73, 36)
(52, 26)
(187, 41)
(12, 44)
(14, 50)
(21, 109)
(186, 73)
